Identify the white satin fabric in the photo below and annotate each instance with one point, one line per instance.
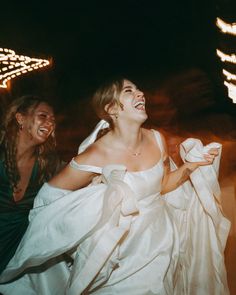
(124, 237)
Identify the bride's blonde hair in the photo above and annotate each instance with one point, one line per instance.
(107, 96)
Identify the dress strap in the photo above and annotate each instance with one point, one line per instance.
(159, 140)
(87, 168)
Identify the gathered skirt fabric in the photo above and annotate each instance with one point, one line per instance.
(122, 236)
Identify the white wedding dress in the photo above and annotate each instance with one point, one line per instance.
(121, 236)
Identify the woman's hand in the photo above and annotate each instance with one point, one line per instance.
(173, 179)
(209, 157)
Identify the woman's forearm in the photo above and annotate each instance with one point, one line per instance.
(173, 179)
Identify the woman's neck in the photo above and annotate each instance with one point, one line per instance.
(25, 151)
(130, 137)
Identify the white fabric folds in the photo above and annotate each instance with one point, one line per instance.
(92, 137)
(121, 236)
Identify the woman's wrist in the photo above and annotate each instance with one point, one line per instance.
(191, 166)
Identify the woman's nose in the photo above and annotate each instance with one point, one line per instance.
(139, 93)
(50, 121)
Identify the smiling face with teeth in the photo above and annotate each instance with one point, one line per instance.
(133, 102)
(38, 124)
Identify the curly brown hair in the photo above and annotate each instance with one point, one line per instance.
(48, 160)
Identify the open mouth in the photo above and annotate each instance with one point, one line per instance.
(140, 105)
(44, 131)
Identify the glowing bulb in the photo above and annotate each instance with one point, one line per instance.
(231, 90)
(16, 65)
(226, 57)
(225, 27)
(229, 75)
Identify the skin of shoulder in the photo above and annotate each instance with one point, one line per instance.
(163, 143)
(94, 155)
(98, 154)
(72, 179)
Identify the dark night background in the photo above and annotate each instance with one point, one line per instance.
(168, 48)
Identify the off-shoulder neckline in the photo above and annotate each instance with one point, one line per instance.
(97, 168)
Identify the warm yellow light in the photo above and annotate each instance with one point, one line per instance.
(231, 90)
(225, 57)
(16, 65)
(226, 27)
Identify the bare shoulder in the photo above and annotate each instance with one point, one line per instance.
(71, 178)
(93, 155)
(150, 132)
(162, 137)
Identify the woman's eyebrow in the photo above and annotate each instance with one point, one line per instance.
(46, 113)
(129, 87)
(42, 111)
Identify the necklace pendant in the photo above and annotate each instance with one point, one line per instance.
(137, 154)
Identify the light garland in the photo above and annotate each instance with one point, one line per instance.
(231, 90)
(225, 27)
(13, 65)
(228, 29)
(229, 75)
(225, 57)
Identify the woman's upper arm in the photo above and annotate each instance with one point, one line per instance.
(166, 161)
(71, 178)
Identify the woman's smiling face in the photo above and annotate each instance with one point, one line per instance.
(39, 123)
(133, 102)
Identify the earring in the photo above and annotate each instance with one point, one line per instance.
(116, 116)
(21, 126)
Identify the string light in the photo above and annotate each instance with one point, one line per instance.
(231, 90)
(228, 28)
(229, 75)
(225, 27)
(13, 65)
(225, 57)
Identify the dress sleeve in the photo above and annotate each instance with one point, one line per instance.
(88, 168)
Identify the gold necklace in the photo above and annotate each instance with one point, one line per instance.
(135, 154)
(139, 152)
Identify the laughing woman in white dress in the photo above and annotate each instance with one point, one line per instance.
(121, 219)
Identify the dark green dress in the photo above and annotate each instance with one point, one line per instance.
(14, 215)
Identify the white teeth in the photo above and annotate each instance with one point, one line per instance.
(43, 129)
(140, 105)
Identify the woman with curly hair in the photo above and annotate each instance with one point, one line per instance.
(27, 160)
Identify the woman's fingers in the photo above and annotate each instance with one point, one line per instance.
(209, 159)
(210, 156)
(213, 151)
(205, 163)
